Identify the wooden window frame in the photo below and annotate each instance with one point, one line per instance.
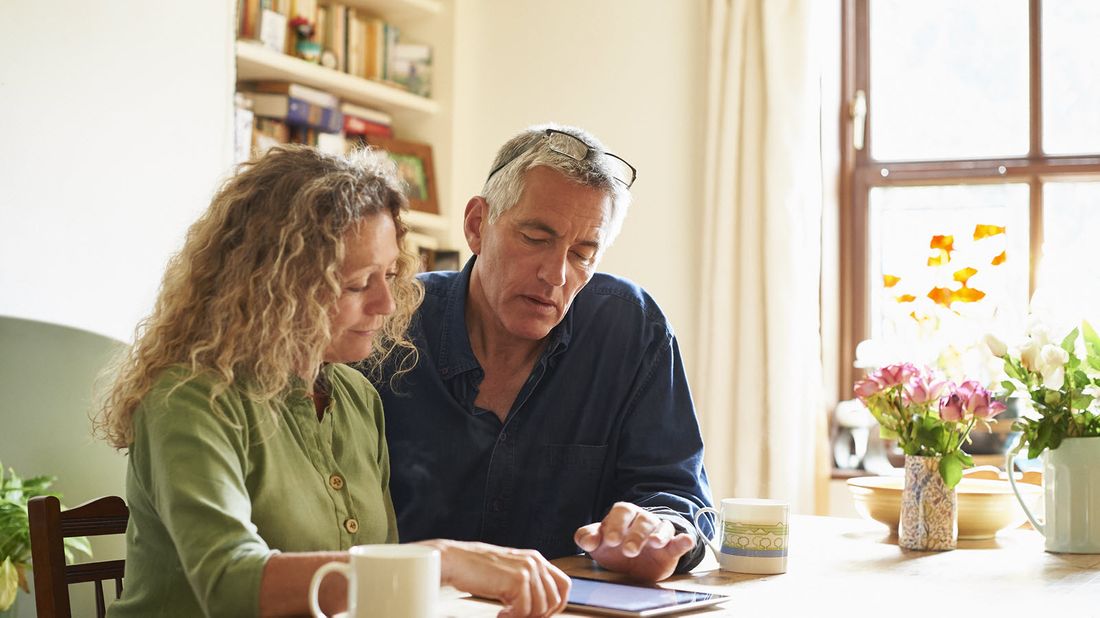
(859, 173)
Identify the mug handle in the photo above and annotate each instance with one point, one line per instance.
(1010, 466)
(342, 568)
(706, 539)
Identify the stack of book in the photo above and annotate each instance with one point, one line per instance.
(286, 112)
(352, 40)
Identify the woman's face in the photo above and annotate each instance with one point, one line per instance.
(370, 264)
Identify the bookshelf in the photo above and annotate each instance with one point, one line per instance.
(415, 118)
(256, 62)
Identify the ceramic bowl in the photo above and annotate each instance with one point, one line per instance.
(985, 505)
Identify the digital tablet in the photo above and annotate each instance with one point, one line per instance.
(600, 597)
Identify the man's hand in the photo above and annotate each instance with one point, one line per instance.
(633, 541)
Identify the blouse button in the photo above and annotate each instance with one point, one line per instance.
(336, 482)
(351, 525)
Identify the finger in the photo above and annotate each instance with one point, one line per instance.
(588, 537)
(679, 545)
(539, 604)
(520, 604)
(562, 584)
(614, 526)
(637, 535)
(549, 586)
(662, 535)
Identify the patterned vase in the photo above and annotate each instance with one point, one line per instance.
(929, 510)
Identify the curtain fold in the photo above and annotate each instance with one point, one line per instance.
(760, 385)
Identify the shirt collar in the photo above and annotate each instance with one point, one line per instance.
(456, 354)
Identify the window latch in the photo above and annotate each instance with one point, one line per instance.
(857, 109)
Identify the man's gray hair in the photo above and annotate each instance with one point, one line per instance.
(504, 189)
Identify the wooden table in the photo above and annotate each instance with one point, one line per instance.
(852, 567)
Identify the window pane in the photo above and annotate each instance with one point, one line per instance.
(949, 79)
(1071, 81)
(1068, 281)
(948, 264)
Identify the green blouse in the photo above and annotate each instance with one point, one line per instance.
(214, 491)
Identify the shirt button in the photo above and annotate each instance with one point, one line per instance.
(336, 482)
(503, 436)
(351, 525)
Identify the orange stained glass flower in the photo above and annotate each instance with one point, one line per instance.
(941, 296)
(890, 280)
(944, 243)
(968, 295)
(985, 231)
(964, 275)
(905, 298)
(1000, 259)
(939, 259)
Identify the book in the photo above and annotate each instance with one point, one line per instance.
(296, 112)
(335, 35)
(273, 30)
(411, 67)
(366, 113)
(298, 91)
(357, 126)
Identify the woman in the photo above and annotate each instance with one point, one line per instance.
(255, 455)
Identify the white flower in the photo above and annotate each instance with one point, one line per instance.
(997, 347)
(1052, 364)
(1029, 354)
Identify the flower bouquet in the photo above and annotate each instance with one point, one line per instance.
(1062, 381)
(931, 419)
(927, 415)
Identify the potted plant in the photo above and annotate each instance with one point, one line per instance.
(15, 535)
(1062, 380)
(931, 419)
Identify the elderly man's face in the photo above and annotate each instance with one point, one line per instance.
(538, 255)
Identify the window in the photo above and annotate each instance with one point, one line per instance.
(970, 189)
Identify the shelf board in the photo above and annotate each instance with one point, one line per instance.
(256, 62)
(399, 9)
(425, 221)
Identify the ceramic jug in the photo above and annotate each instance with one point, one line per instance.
(1071, 496)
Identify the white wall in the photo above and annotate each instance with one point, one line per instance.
(116, 125)
(630, 71)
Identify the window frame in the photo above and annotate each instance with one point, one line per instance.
(859, 174)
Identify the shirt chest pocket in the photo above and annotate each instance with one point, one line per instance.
(572, 473)
(573, 459)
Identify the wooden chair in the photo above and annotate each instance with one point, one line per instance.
(49, 526)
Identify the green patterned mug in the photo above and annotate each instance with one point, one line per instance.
(751, 535)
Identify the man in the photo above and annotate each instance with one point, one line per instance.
(547, 396)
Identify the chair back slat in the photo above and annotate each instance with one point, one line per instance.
(49, 527)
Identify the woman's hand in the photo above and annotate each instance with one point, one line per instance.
(525, 582)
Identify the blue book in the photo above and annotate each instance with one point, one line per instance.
(296, 112)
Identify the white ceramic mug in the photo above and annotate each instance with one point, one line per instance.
(385, 580)
(751, 535)
(1071, 496)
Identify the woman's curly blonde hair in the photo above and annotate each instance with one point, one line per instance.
(247, 301)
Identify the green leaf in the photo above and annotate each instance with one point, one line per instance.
(1092, 340)
(951, 470)
(1069, 341)
(1014, 370)
(1009, 388)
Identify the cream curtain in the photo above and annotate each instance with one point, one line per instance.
(759, 384)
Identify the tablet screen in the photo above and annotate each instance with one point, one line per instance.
(624, 597)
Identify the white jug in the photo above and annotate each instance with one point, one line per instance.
(1071, 496)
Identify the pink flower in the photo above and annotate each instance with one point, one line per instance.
(924, 388)
(898, 373)
(977, 401)
(951, 407)
(867, 388)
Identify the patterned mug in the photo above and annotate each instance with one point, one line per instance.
(751, 535)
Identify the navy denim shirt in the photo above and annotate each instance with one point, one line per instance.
(606, 415)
